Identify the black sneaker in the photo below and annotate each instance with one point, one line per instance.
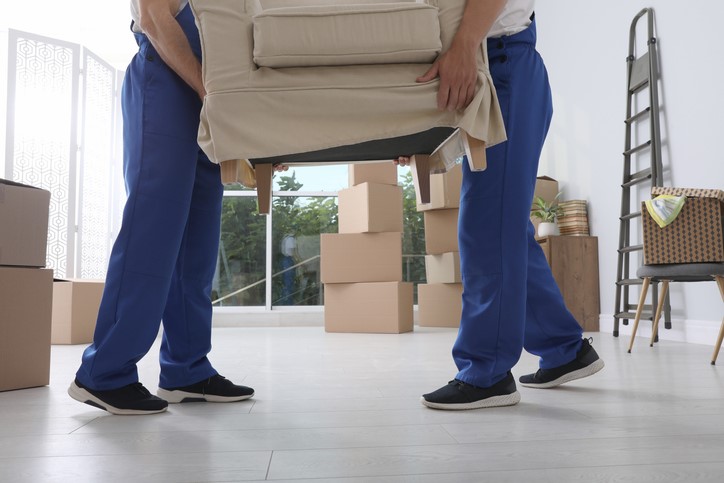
(130, 399)
(214, 389)
(585, 364)
(460, 395)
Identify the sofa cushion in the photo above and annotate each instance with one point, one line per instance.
(333, 35)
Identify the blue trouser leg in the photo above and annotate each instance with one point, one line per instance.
(510, 299)
(187, 316)
(172, 211)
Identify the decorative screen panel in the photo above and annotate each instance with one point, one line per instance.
(42, 100)
(96, 166)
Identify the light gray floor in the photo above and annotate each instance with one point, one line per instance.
(345, 407)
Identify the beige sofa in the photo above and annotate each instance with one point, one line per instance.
(293, 81)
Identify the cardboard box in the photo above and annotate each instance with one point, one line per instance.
(23, 224)
(381, 173)
(384, 307)
(444, 190)
(547, 188)
(75, 310)
(370, 208)
(26, 296)
(441, 231)
(695, 236)
(439, 304)
(443, 268)
(362, 257)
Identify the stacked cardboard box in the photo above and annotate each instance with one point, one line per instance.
(75, 310)
(361, 266)
(26, 288)
(440, 299)
(695, 236)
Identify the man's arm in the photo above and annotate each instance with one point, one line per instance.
(457, 68)
(159, 24)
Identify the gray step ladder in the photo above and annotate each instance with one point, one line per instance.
(641, 90)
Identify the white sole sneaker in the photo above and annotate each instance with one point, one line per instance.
(82, 395)
(489, 402)
(589, 370)
(175, 397)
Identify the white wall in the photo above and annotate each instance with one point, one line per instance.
(3, 96)
(585, 46)
(101, 26)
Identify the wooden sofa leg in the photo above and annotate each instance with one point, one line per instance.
(229, 171)
(720, 282)
(264, 174)
(659, 309)
(420, 166)
(477, 159)
(639, 309)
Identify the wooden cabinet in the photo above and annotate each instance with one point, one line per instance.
(574, 263)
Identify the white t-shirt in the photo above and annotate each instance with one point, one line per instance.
(136, 13)
(514, 18)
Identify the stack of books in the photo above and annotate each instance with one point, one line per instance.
(574, 220)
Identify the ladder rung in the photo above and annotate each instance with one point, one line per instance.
(638, 115)
(637, 178)
(630, 281)
(632, 315)
(635, 307)
(637, 148)
(632, 248)
(631, 216)
(638, 87)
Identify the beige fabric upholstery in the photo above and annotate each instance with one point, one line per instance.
(256, 112)
(395, 33)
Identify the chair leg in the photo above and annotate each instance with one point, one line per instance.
(264, 174)
(639, 309)
(720, 282)
(659, 309)
(420, 167)
(477, 158)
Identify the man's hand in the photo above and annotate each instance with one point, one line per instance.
(457, 68)
(158, 22)
(401, 161)
(458, 72)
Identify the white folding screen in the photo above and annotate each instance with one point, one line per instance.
(62, 135)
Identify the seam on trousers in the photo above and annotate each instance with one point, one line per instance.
(128, 237)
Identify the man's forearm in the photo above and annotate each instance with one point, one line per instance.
(479, 17)
(457, 68)
(164, 32)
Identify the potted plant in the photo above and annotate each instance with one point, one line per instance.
(547, 213)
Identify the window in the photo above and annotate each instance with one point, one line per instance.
(241, 268)
(296, 228)
(284, 247)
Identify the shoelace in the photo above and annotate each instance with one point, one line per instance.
(459, 384)
(140, 388)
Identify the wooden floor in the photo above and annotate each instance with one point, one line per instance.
(345, 408)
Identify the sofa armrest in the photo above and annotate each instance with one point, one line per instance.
(231, 63)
